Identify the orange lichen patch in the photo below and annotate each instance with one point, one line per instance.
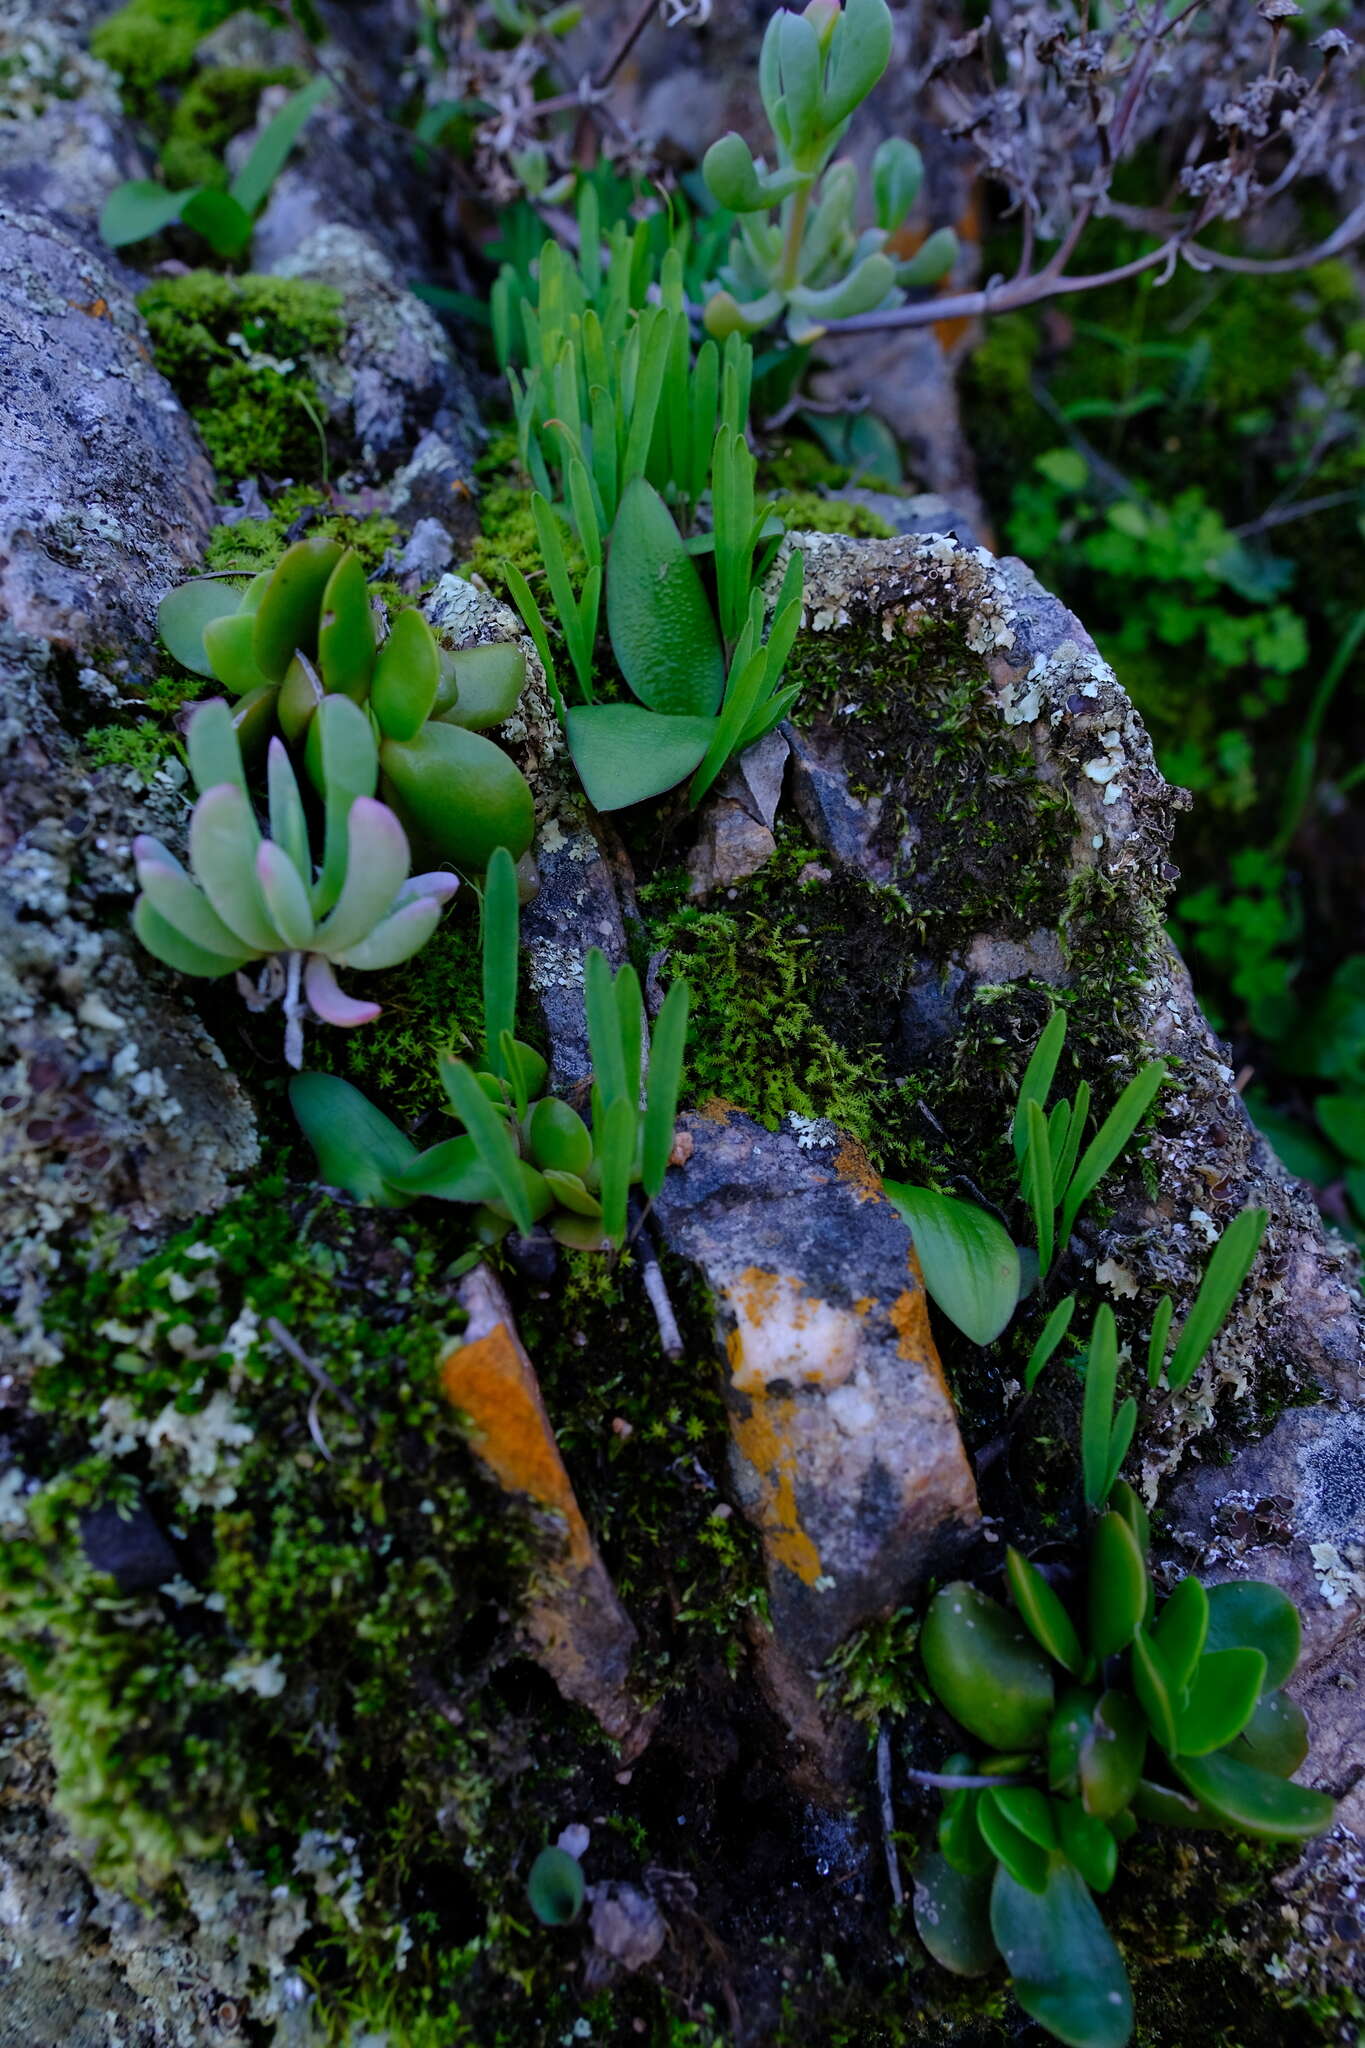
(782, 1332)
(909, 1318)
(716, 1110)
(864, 1304)
(765, 1439)
(854, 1167)
(509, 1430)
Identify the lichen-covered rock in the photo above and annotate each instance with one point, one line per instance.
(845, 1447)
(64, 144)
(117, 1104)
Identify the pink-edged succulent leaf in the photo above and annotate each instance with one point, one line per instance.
(331, 1003)
(286, 898)
(170, 946)
(181, 903)
(440, 884)
(224, 839)
(394, 938)
(288, 825)
(376, 868)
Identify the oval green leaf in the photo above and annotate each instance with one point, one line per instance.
(1118, 1586)
(185, 611)
(1250, 1614)
(663, 632)
(288, 613)
(953, 1916)
(1064, 1968)
(1255, 1802)
(986, 1669)
(1222, 1699)
(970, 1267)
(1043, 1613)
(406, 676)
(625, 754)
(459, 794)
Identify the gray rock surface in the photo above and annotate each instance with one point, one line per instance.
(117, 1103)
(64, 144)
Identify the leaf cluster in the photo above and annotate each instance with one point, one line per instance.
(523, 1158)
(305, 632)
(140, 207)
(249, 897)
(1170, 1711)
(797, 255)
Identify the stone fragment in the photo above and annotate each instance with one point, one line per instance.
(575, 1625)
(577, 907)
(730, 846)
(626, 1925)
(845, 1448)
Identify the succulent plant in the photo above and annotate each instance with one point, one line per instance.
(306, 631)
(810, 265)
(249, 898)
(1086, 1724)
(523, 1158)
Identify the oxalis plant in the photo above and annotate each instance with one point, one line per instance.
(140, 207)
(250, 898)
(523, 1158)
(1086, 1717)
(306, 631)
(797, 255)
(628, 438)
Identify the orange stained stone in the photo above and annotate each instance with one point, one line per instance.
(854, 1167)
(488, 1381)
(766, 1439)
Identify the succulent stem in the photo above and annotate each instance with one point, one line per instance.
(293, 1012)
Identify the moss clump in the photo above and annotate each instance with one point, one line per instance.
(141, 747)
(252, 544)
(214, 107)
(235, 349)
(151, 45)
(812, 512)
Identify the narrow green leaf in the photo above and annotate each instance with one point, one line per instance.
(1156, 1342)
(970, 1267)
(1097, 1412)
(1233, 1257)
(604, 1028)
(630, 1019)
(1120, 1437)
(1110, 1140)
(1051, 1335)
(499, 941)
(491, 1140)
(616, 1160)
(1117, 1594)
(535, 626)
(1037, 1178)
(665, 1079)
(251, 186)
(1043, 1613)
(1036, 1084)
(1080, 1114)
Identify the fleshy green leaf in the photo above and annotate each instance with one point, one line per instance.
(376, 868)
(555, 1888)
(1087, 1843)
(228, 646)
(488, 682)
(1222, 1699)
(1275, 1739)
(287, 616)
(357, 1148)
(459, 794)
(183, 614)
(499, 944)
(665, 1079)
(1255, 1802)
(986, 1669)
(1250, 1614)
(346, 646)
(970, 1267)
(1182, 1629)
(1022, 1857)
(407, 672)
(952, 1916)
(1159, 1698)
(558, 1139)
(1064, 1968)
(663, 633)
(451, 1172)
(1043, 1613)
(174, 949)
(1111, 1755)
(139, 208)
(215, 754)
(223, 843)
(286, 896)
(625, 754)
(1118, 1586)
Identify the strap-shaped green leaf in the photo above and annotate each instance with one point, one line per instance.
(500, 946)
(491, 1141)
(1036, 1084)
(665, 1079)
(1232, 1259)
(1097, 1410)
(251, 186)
(1043, 1613)
(1110, 1139)
(1049, 1337)
(1117, 1598)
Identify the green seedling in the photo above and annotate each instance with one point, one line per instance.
(306, 631)
(523, 1158)
(797, 255)
(1089, 1717)
(249, 898)
(140, 208)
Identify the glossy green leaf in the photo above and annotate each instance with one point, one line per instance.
(346, 641)
(959, 1834)
(287, 616)
(1043, 1613)
(1123, 1500)
(663, 633)
(183, 614)
(1097, 1411)
(1066, 1735)
(139, 208)
(357, 1149)
(616, 1161)
(1087, 1844)
(227, 644)
(1232, 1259)
(571, 1193)
(1064, 1968)
(253, 720)
(1029, 1810)
(225, 226)
(555, 1888)
(488, 685)
(1275, 1738)
(459, 794)
(1036, 1084)
(1037, 1184)
(300, 698)
(1182, 1630)
(1255, 1802)
(985, 1668)
(1111, 1755)
(1222, 1698)
(499, 946)
(625, 754)
(970, 1267)
(1253, 1615)
(557, 1138)
(1158, 1696)
(952, 1916)
(451, 1171)
(1025, 1861)
(407, 671)
(1117, 1602)
(1109, 1141)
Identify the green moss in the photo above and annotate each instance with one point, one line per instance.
(151, 45)
(800, 465)
(142, 747)
(234, 350)
(252, 544)
(810, 511)
(216, 105)
(432, 1004)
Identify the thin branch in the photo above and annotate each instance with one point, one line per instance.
(888, 1813)
(634, 30)
(965, 1781)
